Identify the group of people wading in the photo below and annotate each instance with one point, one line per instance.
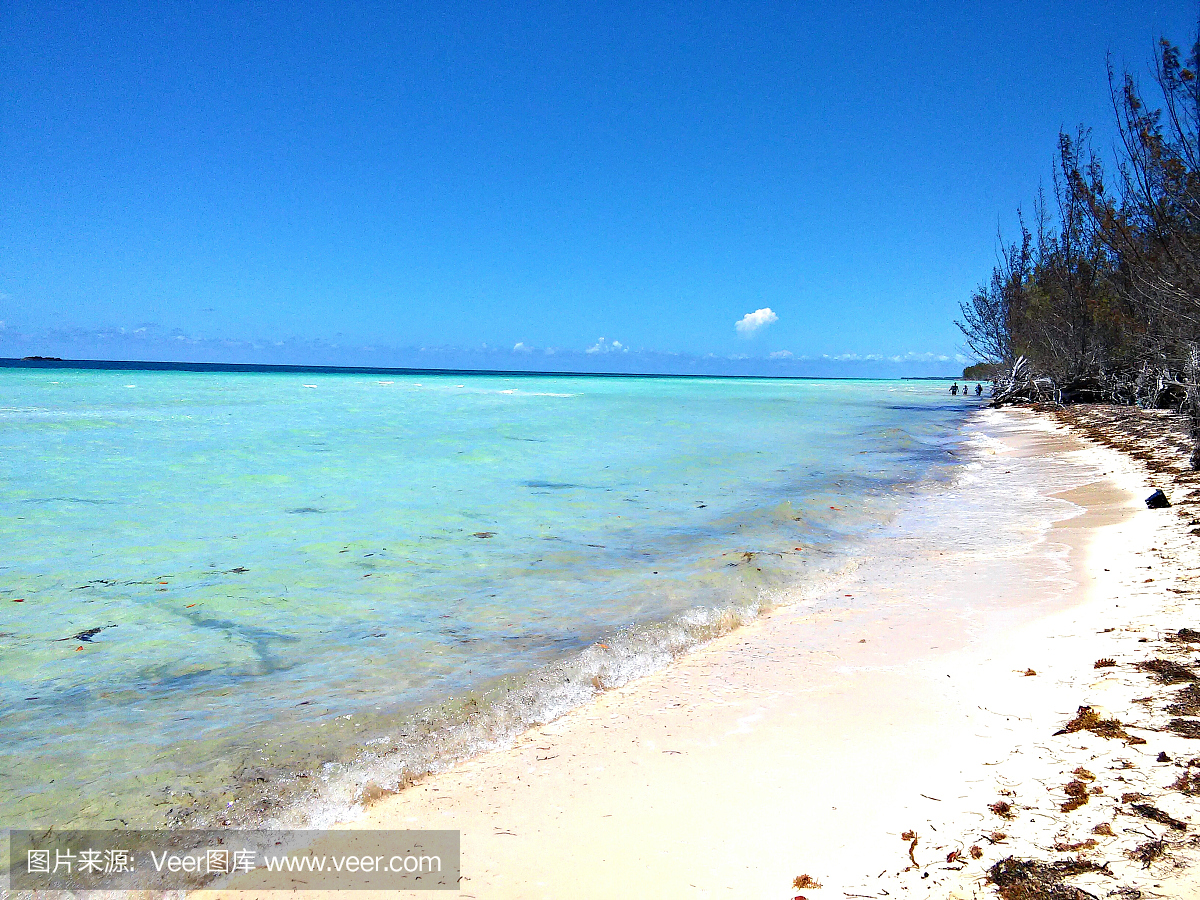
(966, 390)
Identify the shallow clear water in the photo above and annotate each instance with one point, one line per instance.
(298, 574)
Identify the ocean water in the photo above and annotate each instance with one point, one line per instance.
(259, 597)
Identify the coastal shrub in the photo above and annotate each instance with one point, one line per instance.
(1098, 298)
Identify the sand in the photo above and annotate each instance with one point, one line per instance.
(810, 741)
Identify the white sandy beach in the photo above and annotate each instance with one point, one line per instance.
(808, 742)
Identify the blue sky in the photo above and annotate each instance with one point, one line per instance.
(438, 182)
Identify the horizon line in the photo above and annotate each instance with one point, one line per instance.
(51, 362)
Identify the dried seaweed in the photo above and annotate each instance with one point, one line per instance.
(1148, 852)
(1031, 879)
(1187, 783)
(1187, 701)
(1154, 814)
(1077, 792)
(1064, 847)
(911, 836)
(1089, 720)
(1168, 671)
(1188, 728)
(1104, 663)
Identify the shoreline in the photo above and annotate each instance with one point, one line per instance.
(807, 743)
(283, 630)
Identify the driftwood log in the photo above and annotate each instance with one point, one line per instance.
(1147, 387)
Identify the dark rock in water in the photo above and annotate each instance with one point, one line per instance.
(1158, 500)
(301, 510)
(85, 635)
(484, 534)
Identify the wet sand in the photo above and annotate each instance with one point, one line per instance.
(810, 741)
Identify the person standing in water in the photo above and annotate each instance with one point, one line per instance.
(978, 390)
(954, 389)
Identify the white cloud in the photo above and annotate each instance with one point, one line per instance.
(749, 324)
(881, 357)
(782, 354)
(519, 347)
(603, 346)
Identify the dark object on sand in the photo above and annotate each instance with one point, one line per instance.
(1090, 720)
(1158, 500)
(1003, 809)
(1031, 879)
(1154, 814)
(1168, 671)
(1188, 728)
(1148, 852)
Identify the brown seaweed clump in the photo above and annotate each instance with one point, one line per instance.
(1003, 809)
(1168, 671)
(911, 837)
(1187, 783)
(1154, 814)
(1031, 879)
(1089, 720)
(1077, 795)
(1188, 728)
(1148, 852)
(1064, 847)
(800, 882)
(1187, 701)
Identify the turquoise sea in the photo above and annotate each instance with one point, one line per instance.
(259, 596)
